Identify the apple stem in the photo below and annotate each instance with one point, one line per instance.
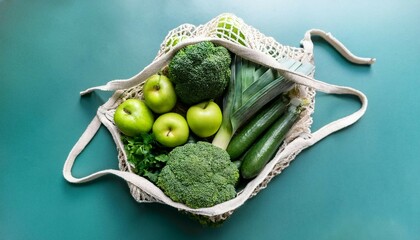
(126, 111)
(207, 103)
(157, 86)
(169, 132)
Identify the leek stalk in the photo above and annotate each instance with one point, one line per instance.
(251, 87)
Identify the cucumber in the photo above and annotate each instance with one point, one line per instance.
(255, 127)
(237, 163)
(266, 147)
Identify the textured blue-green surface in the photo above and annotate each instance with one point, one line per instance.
(360, 183)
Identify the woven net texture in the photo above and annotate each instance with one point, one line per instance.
(234, 29)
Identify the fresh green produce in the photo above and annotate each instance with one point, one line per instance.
(146, 155)
(199, 175)
(132, 117)
(237, 163)
(266, 147)
(247, 135)
(251, 87)
(171, 129)
(174, 40)
(159, 93)
(200, 72)
(204, 118)
(228, 28)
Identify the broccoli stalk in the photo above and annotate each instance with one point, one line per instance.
(200, 72)
(199, 175)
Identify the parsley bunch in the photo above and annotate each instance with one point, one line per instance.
(146, 155)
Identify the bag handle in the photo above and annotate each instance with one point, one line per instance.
(135, 179)
(308, 45)
(251, 54)
(332, 89)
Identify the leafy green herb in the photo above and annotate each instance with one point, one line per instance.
(146, 155)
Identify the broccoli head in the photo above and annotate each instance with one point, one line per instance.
(199, 175)
(200, 72)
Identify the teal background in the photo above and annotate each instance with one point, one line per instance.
(360, 183)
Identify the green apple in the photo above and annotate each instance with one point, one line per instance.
(171, 129)
(132, 117)
(174, 40)
(229, 27)
(159, 93)
(204, 118)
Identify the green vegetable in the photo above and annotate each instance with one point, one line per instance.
(237, 163)
(146, 155)
(251, 86)
(266, 147)
(200, 72)
(199, 175)
(256, 126)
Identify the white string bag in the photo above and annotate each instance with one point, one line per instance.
(229, 31)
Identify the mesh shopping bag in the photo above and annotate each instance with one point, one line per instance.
(294, 63)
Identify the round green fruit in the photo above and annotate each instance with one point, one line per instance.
(174, 40)
(229, 28)
(132, 117)
(159, 94)
(204, 118)
(171, 129)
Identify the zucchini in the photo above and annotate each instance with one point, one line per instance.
(256, 126)
(267, 146)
